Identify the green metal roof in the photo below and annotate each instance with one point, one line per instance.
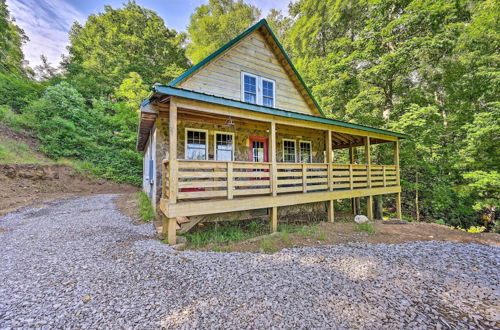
(174, 91)
(219, 51)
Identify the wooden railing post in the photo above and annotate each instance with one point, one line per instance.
(274, 167)
(351, 178)
(329, 159)
(383, 175)
(304, 177)
(398, 195)
(369, 202)
(229, 180)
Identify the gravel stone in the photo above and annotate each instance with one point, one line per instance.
(79, 263)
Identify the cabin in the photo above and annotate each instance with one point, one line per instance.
(239, 136)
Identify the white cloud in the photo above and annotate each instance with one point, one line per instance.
(46, 23)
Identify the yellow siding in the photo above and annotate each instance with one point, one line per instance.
(222, 76)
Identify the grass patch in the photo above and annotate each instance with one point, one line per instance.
(268, 244)
(366, 227)
(146, 211)
(12, 151)
(224, 232)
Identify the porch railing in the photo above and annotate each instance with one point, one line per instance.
(215, 179)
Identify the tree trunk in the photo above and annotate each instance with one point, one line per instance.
(357, 205)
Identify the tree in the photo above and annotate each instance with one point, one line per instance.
(110, 45)
(45, 71)
(11, 40)
(429, 68)
(216, 23)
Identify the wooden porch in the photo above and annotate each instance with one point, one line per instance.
(201, 187)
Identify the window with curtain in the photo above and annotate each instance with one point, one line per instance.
(196, 145)
(289, 153)
(224, 146)
(305, 152)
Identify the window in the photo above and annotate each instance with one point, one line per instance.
(224, 146)
(257, 90)
(267, 93)
(250, 88)
(289, 155)
(305, 152)
(196, 144)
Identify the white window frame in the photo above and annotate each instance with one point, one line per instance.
(310, 149)
(259, 81)
(283, 149)
(215, 144)
(186, 130)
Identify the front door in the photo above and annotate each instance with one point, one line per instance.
(258, 149)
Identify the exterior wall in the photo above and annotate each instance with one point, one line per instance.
(222, 76)
(150, 187)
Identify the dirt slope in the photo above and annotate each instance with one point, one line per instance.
(24, 184)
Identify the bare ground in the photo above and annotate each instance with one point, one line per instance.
(342, 233)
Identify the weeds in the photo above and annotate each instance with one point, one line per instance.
(146, 211)
(233, 231)
(268, 245)
(365, 227)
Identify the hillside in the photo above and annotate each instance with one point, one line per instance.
(28, 177)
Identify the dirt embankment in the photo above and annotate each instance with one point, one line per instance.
(26, 184)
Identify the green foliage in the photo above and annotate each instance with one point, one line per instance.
(366, 227)
(114, 43)
(68, 127)
(146, 211)
(216, 23)
(440, 222)
(17, 91)
(232, 231)
(11, 40)
(428, 68)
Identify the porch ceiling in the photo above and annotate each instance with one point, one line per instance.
(339, 140)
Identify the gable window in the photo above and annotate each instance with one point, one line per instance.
(257, 90)
(289, 154)
(249, 88)
(224, 146)
(196, 144)
(305, 152)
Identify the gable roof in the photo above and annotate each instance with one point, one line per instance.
(261, 23)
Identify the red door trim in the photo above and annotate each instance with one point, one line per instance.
(264, 139)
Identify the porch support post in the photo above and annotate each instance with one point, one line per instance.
(172, 234)
(274, 176)
(369, 200)
(274, 166)
(331, 211)
(351, 160)
(398, 195)
(274, 219)
(173, 167)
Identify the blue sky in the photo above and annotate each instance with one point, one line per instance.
(46, 22)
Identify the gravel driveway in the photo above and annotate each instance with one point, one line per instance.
(79, 263)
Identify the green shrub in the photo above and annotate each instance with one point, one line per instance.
(366, 227)
(146, 210)
(440, 222)
(496, 227)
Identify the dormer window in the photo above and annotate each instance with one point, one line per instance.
(257, 90)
